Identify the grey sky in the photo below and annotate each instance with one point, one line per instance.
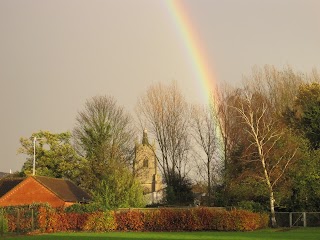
(56, 54)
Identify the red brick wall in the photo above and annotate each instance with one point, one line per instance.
(30, 191)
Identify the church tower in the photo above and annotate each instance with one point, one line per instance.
(146, 168)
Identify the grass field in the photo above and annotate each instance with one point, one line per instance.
(268, 234)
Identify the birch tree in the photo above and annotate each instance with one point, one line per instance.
(267, 141)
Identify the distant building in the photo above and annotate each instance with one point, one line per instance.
(3, 174)
(146, 169)
(35, 189)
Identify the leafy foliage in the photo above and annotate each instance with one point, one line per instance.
(164, 219)
(104, 136)
(119, 189)
(55, 156)
(85, 208)
(3, 222)
(101, 222)
(179, 191)
(305, 114)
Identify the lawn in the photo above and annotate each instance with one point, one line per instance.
(268, 234)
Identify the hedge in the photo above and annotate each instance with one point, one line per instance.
(47, 219)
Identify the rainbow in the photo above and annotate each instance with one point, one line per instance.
(199, 61)
(195, 49)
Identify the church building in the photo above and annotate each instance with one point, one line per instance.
(146, 169)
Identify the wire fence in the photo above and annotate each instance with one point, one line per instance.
(298, 219)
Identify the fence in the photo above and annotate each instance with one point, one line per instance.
(298, 219)
(17, 220)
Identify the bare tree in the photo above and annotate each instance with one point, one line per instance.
(165, 113)
(231, 138)
(205, 133)
(265, 133)
(279, 86)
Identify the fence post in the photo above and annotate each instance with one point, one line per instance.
(2, 222)
(290, 219)
(18, 219)
(32, 220)
(304, 219)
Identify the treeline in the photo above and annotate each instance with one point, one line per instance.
(255, 145)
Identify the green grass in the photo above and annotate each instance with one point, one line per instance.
(267, 234)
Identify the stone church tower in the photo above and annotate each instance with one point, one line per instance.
(146, 169)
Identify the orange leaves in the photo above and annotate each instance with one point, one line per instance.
(161, 220)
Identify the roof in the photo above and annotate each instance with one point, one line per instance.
(64, 189)
(3, 174)
(6, 184)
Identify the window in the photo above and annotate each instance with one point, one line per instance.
(145, 163)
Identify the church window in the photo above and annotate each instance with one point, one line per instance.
(145, 163)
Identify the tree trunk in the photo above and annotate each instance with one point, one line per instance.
(273, 214)
(271, 195)
(209, 184)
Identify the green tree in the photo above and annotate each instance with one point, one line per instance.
(305, 114)
(180, 190)
(119, 189)
(305, 191)
(103, 134)
(54, 155)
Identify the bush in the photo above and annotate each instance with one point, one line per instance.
(101, 222)
(3, 222)
(163, 219)
(85, 208)
(130, 220)
(251, 206)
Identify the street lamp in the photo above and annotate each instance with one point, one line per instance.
(34, 155)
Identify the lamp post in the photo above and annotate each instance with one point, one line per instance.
(34, 155)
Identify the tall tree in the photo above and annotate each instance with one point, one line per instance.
(305, 114)
(165, 113)
(268, 142)
(54, 155)
(103, 134)
(232, 139)
(279, 88)
(205, 134)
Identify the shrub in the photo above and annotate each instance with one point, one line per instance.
(18, 219)
(3, 222)
(130, 220)
(251, 206)
(85, 208)
(101, 222)
(152, 221)
(48, 219)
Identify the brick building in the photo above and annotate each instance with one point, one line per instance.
(35, 189)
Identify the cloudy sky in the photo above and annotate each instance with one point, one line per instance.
(56, 54)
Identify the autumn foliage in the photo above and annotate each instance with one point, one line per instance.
(47, 219)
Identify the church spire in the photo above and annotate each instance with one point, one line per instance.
(145, 140)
